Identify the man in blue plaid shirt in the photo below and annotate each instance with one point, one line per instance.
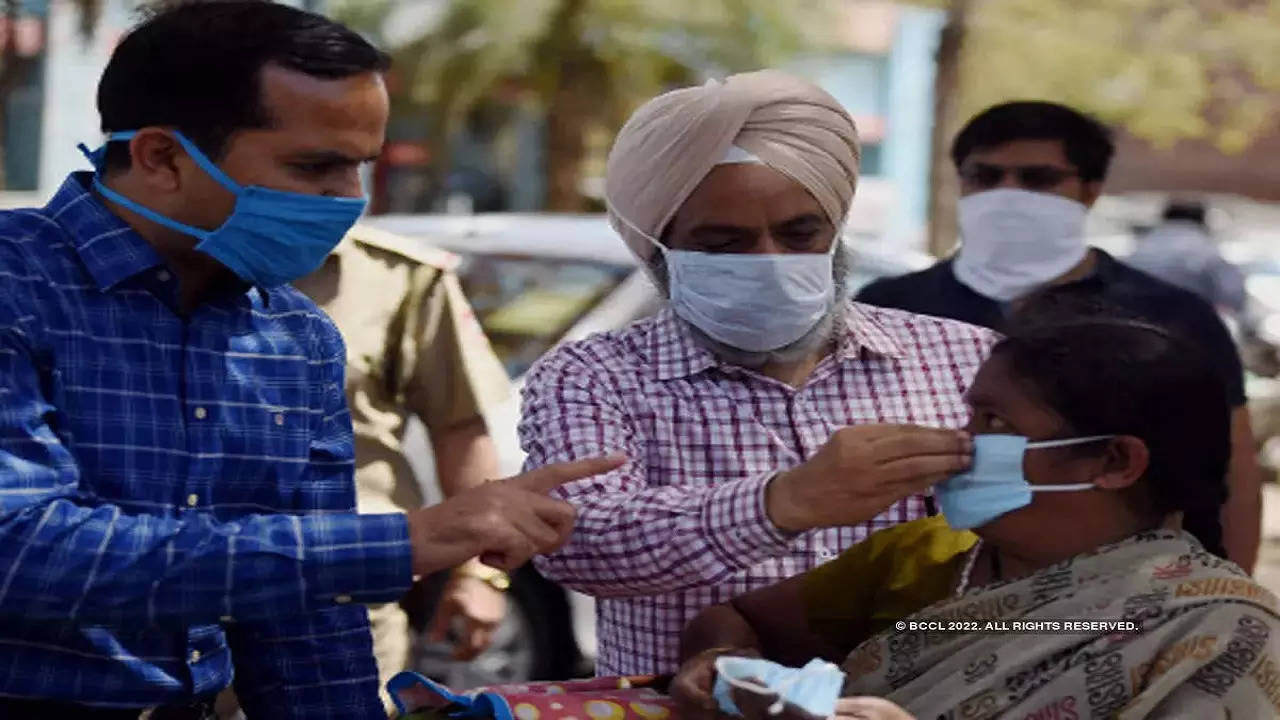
(176, 496)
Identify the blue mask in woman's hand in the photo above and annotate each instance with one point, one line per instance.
(814, 688)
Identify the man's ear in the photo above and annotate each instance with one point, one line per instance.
(1125, 461)
(152, 159)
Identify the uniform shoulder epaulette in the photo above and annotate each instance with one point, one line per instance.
(420, 251)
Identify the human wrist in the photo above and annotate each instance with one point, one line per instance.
(736, 650)
(380, 572)
(781, 504)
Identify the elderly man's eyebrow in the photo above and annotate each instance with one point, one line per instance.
(720, 229)
(804, 221)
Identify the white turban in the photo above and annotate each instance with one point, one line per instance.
(672, 142)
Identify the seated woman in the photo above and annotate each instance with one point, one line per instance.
(1128, 431)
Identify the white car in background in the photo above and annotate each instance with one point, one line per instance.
(536, 281)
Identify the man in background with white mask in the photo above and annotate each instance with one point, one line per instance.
(1029, 173)
(770, 423)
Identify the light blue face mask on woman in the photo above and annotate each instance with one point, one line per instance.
(272, 237)
(995, 485)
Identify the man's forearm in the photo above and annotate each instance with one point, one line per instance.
(465, 456)
(1242, 514)
(653, 540)
(153, 570)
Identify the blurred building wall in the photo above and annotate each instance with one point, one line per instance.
(1198, 167)
(884, 77)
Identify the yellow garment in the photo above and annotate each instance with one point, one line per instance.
(890, 575)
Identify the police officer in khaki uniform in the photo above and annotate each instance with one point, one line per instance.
(414, 346)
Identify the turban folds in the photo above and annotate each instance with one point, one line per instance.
(672, 142)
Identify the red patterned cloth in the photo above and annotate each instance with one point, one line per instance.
(683, 525)
(616, 698)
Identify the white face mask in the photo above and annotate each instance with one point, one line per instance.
(1014, 241)
(756, 303)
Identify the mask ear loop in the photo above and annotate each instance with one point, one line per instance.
(758, 689)
(1044, 444)
(783, 686)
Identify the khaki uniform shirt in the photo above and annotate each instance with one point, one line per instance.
(413, 346)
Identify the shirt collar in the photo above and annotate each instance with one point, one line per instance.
(108, 247)
(111, 250)
(674, 353)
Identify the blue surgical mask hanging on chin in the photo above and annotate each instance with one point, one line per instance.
(995, 485)
(272, 237)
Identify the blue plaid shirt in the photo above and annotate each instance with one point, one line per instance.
(176, 495)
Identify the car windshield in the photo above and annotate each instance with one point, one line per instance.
(525, 304)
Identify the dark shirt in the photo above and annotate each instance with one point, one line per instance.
(936, 291)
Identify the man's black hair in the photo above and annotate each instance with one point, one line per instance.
(195, 65)
(1188, 210)
(1087, 142)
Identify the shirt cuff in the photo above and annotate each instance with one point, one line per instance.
(740, 530)
(356, 558)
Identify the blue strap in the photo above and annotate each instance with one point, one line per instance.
(201, 159)
(97, 157)
(148, 213)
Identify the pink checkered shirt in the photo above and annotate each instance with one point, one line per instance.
(683, 525)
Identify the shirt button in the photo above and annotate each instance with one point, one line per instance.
(825, 554)
(163, 276)
(201, 413)
(279, 419)
(195, 656)
(193, 499)
(342, 599)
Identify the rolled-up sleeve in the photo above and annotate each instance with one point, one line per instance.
(634, 535)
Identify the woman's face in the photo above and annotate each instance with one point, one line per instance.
(1000, 403)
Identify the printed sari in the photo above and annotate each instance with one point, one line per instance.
(1208, 644)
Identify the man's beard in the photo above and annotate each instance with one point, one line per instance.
(822, 333)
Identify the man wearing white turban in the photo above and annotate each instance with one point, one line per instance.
(769, 422)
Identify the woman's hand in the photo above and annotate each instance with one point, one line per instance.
(692, 685)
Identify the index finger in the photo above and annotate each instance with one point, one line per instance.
(917, 441)
(549, 477)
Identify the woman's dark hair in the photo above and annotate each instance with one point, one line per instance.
(195, 65)
(1086, 142)
(1126, 377)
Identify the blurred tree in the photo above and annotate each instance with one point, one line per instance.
(583, 64)
(17, 55)
(1164, 71)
